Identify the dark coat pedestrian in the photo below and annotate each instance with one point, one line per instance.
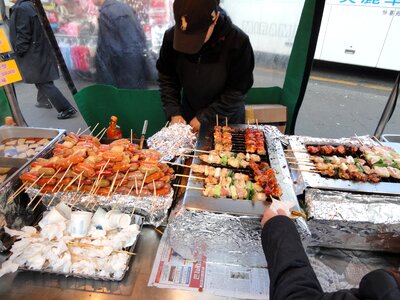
(35, 58)
(121, 46)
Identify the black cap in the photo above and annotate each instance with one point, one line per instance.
(192, 20)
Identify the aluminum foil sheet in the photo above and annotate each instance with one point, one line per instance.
(153, 209)
(314, 180)
(351, 207)
(222, 238)
(353, 221)
(171, 141)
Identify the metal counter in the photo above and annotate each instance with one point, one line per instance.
(34, 285)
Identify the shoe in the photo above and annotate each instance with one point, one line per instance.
(44, 105)
(66, 114)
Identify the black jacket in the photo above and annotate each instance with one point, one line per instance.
(292, 277)
(34, 55)
(213, 81)
(120, 47)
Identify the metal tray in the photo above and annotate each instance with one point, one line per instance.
(138, 220)
(54, 135)
(315, 180)
(193, 199)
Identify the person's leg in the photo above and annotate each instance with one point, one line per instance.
(55, 96)
(42, 100)
(62, 105)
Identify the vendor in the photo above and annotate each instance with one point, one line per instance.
(291, 274)
(205, 65)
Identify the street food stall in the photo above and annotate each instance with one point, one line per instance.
(171, 214)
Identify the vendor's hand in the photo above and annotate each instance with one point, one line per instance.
(177, 120)
(195, 124)
(269, 214)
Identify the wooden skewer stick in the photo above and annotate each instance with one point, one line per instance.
(166, 125)
(176, 164)
(104, 132)
(113, 183)
(97, 199)
(84, 131)
(301, 163)
(54, 196)
(196, 150)
(19, 190)
(39, 201)
(189, 187)
(33, 198)
(189, 176)
(62, 177)
(76, 198)
(154, 190)
(296, 150)
(216, 119)
(131, 136)
(133, 185)
(188, 155)
(304, 170)
(136, 186)
(79, 129)
(73, 180)
(100, 132)
(144, 179)
(94, 128)
(226, 121)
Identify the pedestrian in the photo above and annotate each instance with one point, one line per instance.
(205, 65)
(35, 58)
(291, 274)
(121, 46)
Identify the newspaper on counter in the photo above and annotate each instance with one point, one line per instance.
(170, 270)
(172, 140)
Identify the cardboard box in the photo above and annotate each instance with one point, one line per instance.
(270, 114)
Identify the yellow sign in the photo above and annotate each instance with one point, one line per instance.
(9, 72)
(4, 44)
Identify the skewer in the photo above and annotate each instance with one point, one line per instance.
(104, 132)
(39, 201)
(79, 129)
(296, 150)
(226, 121)
(73, 180)
(188, 155)
(17, 192)
(137, 191)
(166, 124)
(144, 179)
(133, 185)
(54, 196)
(131, 136)
(304, 170)
(100, 132)
(189, 176)
(97, 199)
(62, 177)
(176, 164)
(83, 245)
(358, 139)
(158, 230)
(301, 163)
(377, 140)
(113, 183)
(196, 150)
(189, 187)
(216, 120)
(94, 128)
(76, 198)
(33, 198)
(84, 131)
(154, 189)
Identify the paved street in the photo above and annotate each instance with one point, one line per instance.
(338, 102)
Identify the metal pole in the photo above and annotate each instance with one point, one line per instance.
(389, 108)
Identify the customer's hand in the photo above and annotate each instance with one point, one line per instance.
(269, 214)
(177, 120)
(195, 124)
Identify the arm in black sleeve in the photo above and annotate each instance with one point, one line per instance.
(240, 80)
(169, 83)
(290, 272)
(23, 31)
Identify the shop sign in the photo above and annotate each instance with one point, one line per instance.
(9, 72)
(4, 44)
